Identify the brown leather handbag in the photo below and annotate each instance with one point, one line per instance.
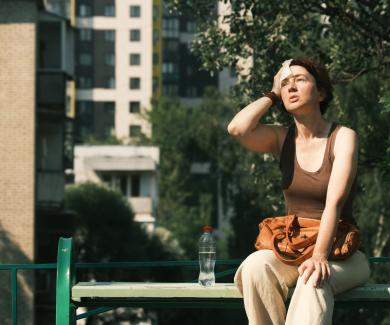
(293, 238)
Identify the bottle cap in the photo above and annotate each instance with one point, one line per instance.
(207, 229)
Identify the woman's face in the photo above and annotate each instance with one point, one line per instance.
(299, 90)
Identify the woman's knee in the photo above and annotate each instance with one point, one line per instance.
(257, 265)
(309, 290)
(350, 273)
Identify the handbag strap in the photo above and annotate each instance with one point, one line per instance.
(304, 243)
(290, 261)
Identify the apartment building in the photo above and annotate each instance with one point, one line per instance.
(128, 51)
(118, 55)
(37, 101)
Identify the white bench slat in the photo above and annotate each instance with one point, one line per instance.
(368, 292)
(153, 290)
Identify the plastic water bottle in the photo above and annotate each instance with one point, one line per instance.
(207, 253)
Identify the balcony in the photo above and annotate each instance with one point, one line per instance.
(62, 8)
(50, 188)
(56, 44)
(141, 205)
(51, 92)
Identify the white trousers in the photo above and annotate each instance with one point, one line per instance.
(264, 281)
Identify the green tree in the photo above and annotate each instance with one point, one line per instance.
(105, 229)
(171, 122)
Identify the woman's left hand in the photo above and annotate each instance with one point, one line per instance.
(315, 268)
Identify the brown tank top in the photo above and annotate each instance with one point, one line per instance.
(304, 191)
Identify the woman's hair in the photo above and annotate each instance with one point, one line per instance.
(321, 76)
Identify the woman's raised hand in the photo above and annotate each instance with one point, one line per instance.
(276, 85)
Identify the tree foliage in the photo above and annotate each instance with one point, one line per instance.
(351, 36)
(105, 231)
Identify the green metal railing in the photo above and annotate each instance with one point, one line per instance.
(15, 268)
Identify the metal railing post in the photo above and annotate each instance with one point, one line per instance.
(65, 310)
(14, 295)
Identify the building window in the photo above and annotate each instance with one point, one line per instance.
(233, 72)
(156, 12)
(191, 92)
(156, 58)
(109, 108)
(85, 34)
(135, 107)
(109, 59)
(189, 70)
(169, 67)
(135, 11)
(84, 83)
(135, 35)
(109, 35)
(85, 10)
(108, 131)
(84, 108)
(134, 130)
(106, 178)
(191, 26)
(171, 27)
(135, 59)
(170, 90)
(110, 82)
(170, 71)
(135, 83)
(156, 81)
(135, 185)
(171, 45)
(156, 36)
(85, 59)
(85, 131)
(109, 10)
(123, 185)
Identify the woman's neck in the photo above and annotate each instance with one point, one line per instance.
(310, 126)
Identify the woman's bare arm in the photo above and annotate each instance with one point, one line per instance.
(252, 134)
(340, 182)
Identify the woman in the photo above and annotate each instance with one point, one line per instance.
(318, 161)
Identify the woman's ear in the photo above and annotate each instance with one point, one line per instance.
(322, 92)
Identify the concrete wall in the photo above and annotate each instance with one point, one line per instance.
(17, 132)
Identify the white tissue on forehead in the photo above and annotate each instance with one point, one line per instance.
(286, 71)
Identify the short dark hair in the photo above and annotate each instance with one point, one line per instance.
(321, 76)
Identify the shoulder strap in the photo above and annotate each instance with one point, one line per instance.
(287, 158)
(288, 148)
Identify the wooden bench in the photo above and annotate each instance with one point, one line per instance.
(107, 295)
